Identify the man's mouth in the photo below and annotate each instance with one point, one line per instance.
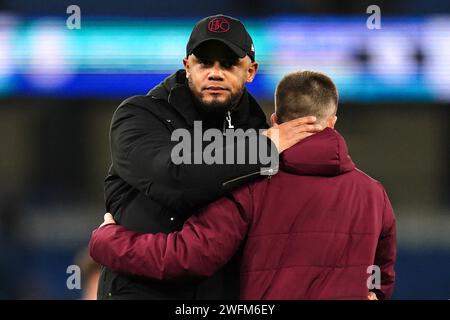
(215, 89)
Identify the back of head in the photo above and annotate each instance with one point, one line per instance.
(305, 93)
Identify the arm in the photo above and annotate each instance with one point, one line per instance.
(141, 149)
(385, 255)
(206, 242)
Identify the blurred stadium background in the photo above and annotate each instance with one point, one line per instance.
(59, 88)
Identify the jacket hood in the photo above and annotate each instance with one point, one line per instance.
(163, 89)
(322, 154)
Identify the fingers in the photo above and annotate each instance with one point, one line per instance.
(302, 121)
(296, 122)
(289, 133)
(108, 219)
(372, 296)
(108, 216)
(309, 128)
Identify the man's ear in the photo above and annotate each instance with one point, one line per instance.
(273, 119)
(251, 72)
(331, 122)
(186, 66)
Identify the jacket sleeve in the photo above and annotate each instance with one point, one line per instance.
(386, 252)
(206, 242)
(141, 150)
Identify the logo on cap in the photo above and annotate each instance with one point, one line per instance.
(219, 25)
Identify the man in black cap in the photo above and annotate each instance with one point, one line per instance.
(148, 192)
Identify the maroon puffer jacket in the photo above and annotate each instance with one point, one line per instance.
(312, 231)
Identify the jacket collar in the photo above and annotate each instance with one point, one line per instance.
(322, 154)
(176, 92)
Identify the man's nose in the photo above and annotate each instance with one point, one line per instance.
(216, 72)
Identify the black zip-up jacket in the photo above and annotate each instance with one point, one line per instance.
(147, 192)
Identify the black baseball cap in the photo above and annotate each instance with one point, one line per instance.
(225, 29)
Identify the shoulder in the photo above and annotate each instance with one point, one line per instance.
(138, 102)
(369, 181)
(145, 106)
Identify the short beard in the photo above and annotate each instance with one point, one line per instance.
(216, 107)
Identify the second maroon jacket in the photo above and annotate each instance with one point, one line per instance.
(315, 230)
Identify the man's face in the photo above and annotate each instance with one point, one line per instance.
(217, 76)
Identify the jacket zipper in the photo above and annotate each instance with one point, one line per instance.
(270, 170)
(230, 126)
(227, 120)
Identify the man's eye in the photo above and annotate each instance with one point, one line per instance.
(227, 64)
(206, 62)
